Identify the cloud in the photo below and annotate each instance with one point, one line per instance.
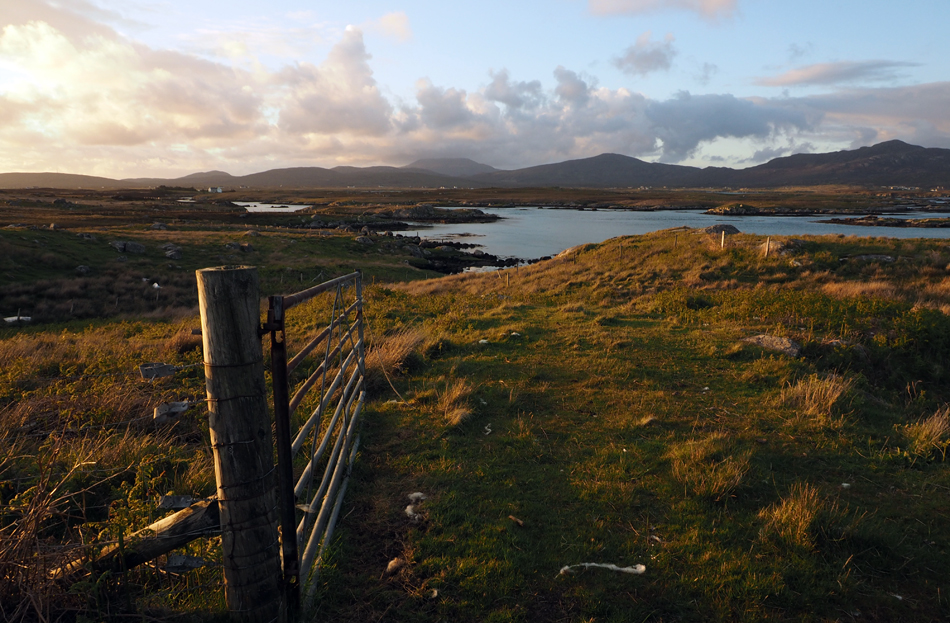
(767, 154)
(824, 74)
(395, 25)
(442, 109)
(647, 56)
(709, 9)
(685, 121)
(250, 41)
(514, 95)
(339, 96)
(104, 104)
(916, 114)
(571, 89)
(707, 72)
(796, 51)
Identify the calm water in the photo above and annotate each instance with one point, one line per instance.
(253, 206)
(535, 232)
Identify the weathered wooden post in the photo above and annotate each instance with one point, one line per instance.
(241, 440)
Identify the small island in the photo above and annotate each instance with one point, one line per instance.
(876, 221)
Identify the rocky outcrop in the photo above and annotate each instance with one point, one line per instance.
(718, 229)
(123, 246)
(778, 344)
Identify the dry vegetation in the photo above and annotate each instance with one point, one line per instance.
(583, 409)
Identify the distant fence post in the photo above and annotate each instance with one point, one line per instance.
(241, 439)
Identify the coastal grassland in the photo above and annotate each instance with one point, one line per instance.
(615, 411)
(61, 275)
(604, 399)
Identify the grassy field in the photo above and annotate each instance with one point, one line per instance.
(599, 407)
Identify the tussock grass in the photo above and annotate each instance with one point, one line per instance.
(388, 357)
(607, 427)
(882, 289)
(929, 436)
(453, 401)
(711, 467)
(817, 398)
(792, 519)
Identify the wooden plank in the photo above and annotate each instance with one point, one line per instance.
(167, 534)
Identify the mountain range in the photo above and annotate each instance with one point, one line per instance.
(893, 163)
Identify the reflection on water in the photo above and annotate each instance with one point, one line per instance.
(536, 232)
(253, 206)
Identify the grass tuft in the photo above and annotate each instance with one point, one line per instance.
(388, 357)
(817, 398)
(930, 436)
(792, 518)
(453, 401)
(712, 467)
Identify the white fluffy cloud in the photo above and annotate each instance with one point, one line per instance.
(103, 104)
(338, 97)
(395, 25)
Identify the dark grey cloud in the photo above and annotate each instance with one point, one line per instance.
(685, 121)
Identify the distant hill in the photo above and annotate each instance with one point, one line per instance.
(605, 170)
(55, 180)
(893, 163)
(456, 167)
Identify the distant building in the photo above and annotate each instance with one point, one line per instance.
(215, 189)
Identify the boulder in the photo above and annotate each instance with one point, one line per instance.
(781, 247)
(720, 228)
(364, 240)
(82, 269)
(778, 344)
(414, 250)
(123, 246)
(159, 226)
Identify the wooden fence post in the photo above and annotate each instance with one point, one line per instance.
(241, 439)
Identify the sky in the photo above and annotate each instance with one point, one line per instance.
(164, 88)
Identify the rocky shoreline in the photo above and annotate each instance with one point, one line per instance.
(876, 221)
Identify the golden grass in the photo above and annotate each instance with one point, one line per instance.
(816, 398)
(387, 357)
(711, 467)
(847, 289)
(453, 401)
(792, 519)
(929, 436)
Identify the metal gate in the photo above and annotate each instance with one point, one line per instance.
(322, 445)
